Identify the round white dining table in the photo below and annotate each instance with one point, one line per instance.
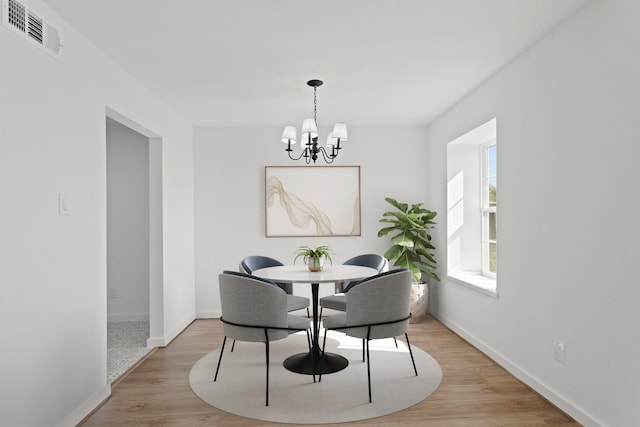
(312, 362)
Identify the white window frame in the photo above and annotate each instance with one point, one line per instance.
(486, 210)
(468, 245)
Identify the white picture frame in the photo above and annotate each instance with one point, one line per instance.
(312, 201)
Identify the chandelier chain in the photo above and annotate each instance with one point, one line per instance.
(315, 107)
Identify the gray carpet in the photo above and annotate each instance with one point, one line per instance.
(126, 345)
(294, 398)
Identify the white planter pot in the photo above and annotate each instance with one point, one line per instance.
(315, 266)
(419, 301)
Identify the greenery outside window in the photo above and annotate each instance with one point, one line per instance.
(489, 211)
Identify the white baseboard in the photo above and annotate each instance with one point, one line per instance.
(74, 418)
(208, 315)
(156, 342)
(94, 401)
(170, 336)
(127, 317)
(548, 393)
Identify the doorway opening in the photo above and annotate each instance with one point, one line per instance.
(134, 253)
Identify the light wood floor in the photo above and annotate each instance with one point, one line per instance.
(474, 390)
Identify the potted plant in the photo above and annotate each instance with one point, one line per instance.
(411, 248)
(314, 258)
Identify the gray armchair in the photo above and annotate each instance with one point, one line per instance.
(255, 310)
(339, 301)
(378, 307)
(254, 262)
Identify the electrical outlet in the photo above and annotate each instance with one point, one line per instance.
(113, 292)
(559, 351)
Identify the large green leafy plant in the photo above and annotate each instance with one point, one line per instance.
(411, 242)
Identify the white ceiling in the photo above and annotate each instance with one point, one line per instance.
(246, 62)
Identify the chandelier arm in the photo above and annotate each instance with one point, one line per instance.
(305, 151)
(328, 158)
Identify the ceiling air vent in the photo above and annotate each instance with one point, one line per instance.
(17, 14)
(34, 28)
(24, 22)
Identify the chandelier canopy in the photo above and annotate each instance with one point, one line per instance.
(309, 136)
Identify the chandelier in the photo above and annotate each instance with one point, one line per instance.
(309, 136)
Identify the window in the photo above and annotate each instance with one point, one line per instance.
(489, 211)
(472, 244)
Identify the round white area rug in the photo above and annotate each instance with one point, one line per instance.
(295, 398)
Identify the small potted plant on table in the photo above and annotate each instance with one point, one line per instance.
(411, 248)
(314, 258)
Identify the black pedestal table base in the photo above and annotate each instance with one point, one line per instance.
(310, 363)
(305, 363)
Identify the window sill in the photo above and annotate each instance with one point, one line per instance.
(475, 281)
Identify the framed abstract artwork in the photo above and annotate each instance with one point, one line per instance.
(312, 201)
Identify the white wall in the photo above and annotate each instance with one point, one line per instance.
(568, 232)
(229, 182)
(464, 222)
(127, 223)
(53, 268)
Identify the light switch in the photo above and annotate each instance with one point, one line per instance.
(64, 205)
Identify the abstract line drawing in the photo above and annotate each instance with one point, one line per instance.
(312, 201)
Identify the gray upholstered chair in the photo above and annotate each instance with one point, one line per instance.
(255, 310)
(254, 262)
(378, 307)
(338, 301)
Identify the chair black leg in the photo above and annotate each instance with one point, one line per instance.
(233, 345)
(368, 370)
(320, 315)
(266, 348)
(363, 346)
(395, 341)
(411, 353)
(220, 358)
(324, 342)
(308, 315)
